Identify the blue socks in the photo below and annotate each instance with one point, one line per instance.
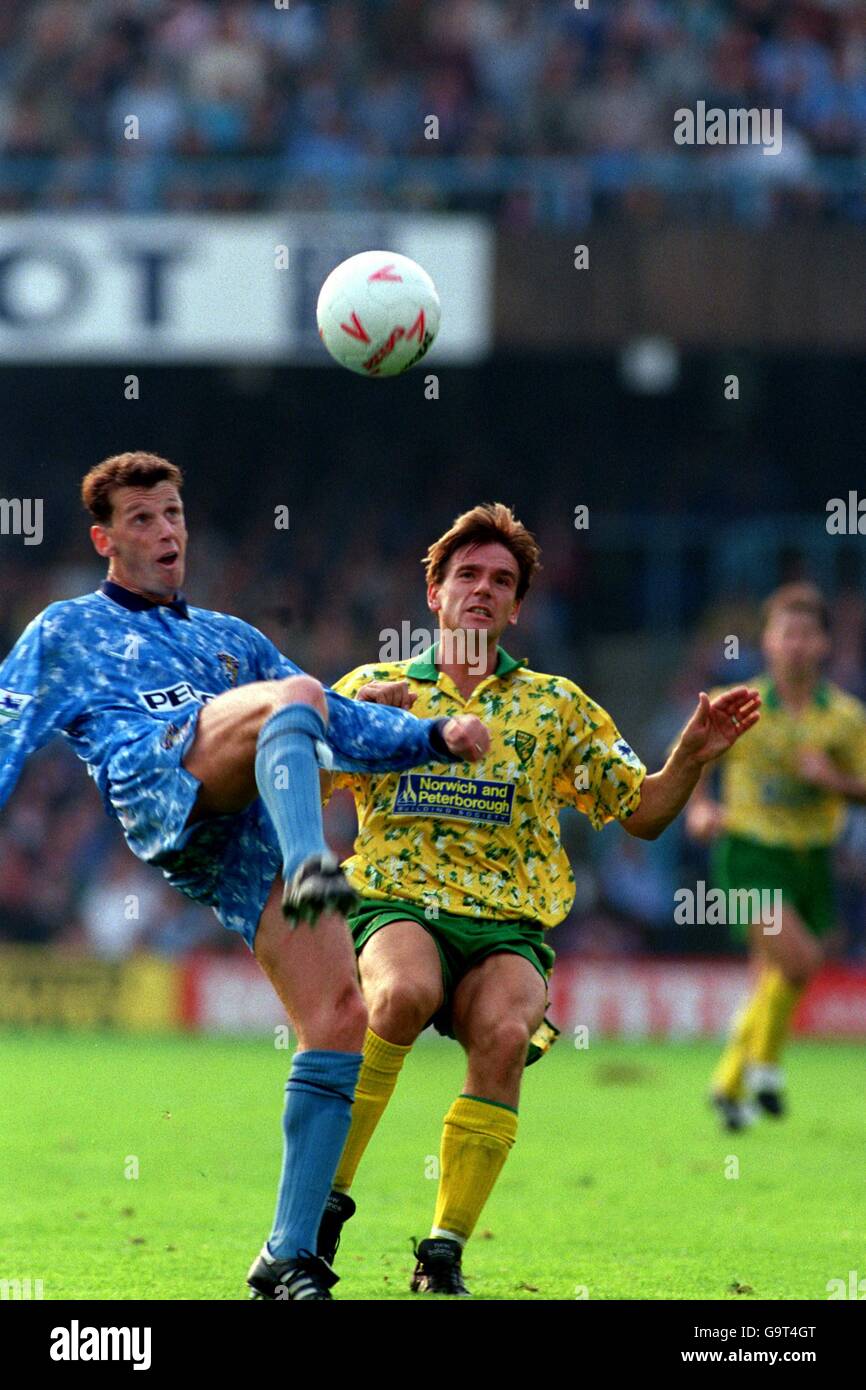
(287, 776)
(321, 1086)
(319, 1095)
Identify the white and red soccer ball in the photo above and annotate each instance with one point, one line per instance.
(378, 313)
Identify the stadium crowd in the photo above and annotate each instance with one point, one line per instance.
(66, 874)
(245, 104)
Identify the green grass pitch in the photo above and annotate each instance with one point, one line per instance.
(620, 1185)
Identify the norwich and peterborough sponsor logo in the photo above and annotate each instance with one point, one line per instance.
(467, 798)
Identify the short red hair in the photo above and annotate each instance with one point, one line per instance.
(135, 469)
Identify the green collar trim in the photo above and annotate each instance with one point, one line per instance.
(820, 696)
(424, 667)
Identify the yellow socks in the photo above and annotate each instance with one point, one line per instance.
(728, 1076)
(759, 1031)
(476, 1137)
(378, 1077)
(771, 1029)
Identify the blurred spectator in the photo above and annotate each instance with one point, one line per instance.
(316, 88)
(154, 101)
(120, 907)
(229, 61)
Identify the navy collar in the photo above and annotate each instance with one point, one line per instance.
(137, 603)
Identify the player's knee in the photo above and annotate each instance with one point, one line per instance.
(338, 1023)
(301, 690)
(402, 1006)
(505, 1037)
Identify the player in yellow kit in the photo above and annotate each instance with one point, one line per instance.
(781, 806)
(461, 876)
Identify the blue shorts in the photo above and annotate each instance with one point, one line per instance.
(228, 863)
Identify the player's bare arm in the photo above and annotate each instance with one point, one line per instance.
(464, 733)
(713, 728)
(705, 816)
(711, 731)
(397, 693)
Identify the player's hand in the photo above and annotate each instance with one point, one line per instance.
(705, 821)
(816, 768)
(717, 724)
(395, 693)
(467, 736)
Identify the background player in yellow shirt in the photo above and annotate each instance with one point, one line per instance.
(781, 806)
(460, 876)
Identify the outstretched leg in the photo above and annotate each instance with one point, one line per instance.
(263, 739)
(312, 969)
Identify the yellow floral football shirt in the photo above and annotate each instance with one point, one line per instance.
(482, 839)
(764, 796)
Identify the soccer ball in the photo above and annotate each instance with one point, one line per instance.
(378, 313)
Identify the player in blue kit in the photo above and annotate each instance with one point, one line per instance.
(205, 742)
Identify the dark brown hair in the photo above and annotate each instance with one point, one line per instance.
(124, 470)
(800, 597)
(491, 521)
